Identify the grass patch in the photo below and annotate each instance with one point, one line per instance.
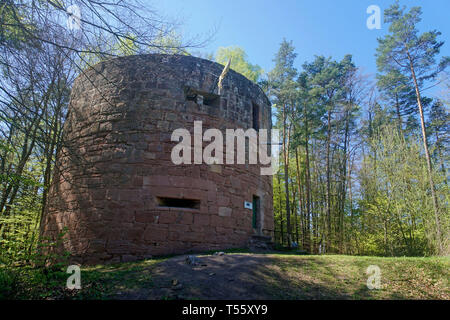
(344, 277)
(287, 275)
(97, 282)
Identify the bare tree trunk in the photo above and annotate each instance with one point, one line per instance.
(350, 198)
(344, 183)
(441, 157)
(302, 201)
(281, 210)
(286, 175)
(399, 116)
(308, 185)
(299, 188)
(13, 188)
(294, 213)
(427, 155)
(328, 204)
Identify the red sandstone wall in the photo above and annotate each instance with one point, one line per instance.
(116, 161)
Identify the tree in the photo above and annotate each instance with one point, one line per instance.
(399, 93)
(106, 29)
(282, 88)
(440, 129)
(239, 62)
(306, 120)
(396, 205)
(35, 93)
(39, 58)
(327, 88)
(409, 53)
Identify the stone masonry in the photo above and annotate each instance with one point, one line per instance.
(115, 187)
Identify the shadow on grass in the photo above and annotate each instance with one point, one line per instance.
(240, 274)
(236, 277)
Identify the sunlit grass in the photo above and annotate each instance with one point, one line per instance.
(284, 276)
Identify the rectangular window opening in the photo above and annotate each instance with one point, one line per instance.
(178, 203)
(212, 101)
(202, 97)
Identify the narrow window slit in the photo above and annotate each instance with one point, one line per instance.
(178, 203)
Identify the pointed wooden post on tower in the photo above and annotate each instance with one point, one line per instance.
(222, 75)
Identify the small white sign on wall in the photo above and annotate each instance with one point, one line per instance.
(248, 205)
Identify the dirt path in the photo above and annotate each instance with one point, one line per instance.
(252, 276)
(234, 276)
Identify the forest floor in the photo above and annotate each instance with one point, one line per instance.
(241, 275)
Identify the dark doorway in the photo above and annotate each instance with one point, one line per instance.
(256, 219)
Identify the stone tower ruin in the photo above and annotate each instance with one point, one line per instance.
(115, 188)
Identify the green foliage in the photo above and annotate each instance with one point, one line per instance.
(125, 46)
(284, 275)
(239, 62)
(8, 283)
(397, 206)
(404, 44)
(282, 77)
(168, 42)
(97, 282)
(406, 52)
(31, 283)
(439, 128)
(48, 252)
(399, 93)
(14, 27)
(39, 270)
(388, 210)
(116, 47)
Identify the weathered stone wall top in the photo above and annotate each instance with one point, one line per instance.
(178, 73)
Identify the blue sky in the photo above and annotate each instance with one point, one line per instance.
(316, 27)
